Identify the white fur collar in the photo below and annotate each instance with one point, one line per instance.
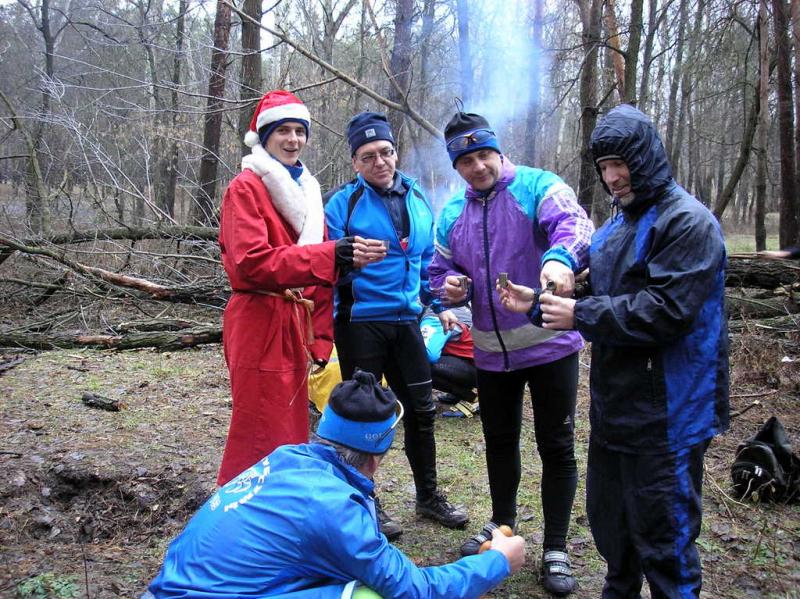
(299, 202)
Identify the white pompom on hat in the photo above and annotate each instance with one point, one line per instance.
(277, 105)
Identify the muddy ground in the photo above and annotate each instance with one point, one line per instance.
(89, 499)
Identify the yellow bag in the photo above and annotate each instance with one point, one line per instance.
(322, 381)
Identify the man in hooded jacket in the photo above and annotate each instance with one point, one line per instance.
(659, 375)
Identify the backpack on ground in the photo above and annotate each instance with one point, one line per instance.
(765, 469)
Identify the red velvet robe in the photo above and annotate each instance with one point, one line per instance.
(263, 335)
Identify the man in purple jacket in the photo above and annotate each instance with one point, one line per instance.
(525, 222)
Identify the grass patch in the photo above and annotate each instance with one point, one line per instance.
(744, 243)
(49, 586)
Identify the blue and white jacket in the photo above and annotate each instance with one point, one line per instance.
(300, 524)
(394, 289)
(656, 317)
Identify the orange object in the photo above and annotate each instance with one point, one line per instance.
(505, 529)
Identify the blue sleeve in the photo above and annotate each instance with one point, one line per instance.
(442, 264)
(425, 294)
(356, 550)
(684, 261)
(434, 337)
(336, 211)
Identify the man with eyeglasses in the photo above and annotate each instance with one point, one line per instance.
(377, 307)
(301, 523)
(525, 223)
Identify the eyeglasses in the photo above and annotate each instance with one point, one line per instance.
(462, 142)
(371, 157)
(400, 411)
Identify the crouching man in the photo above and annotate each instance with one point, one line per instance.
(301, 522)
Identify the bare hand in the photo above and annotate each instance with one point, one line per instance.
(511, 547)
(367, 251)
(557, 312)
(561, 275)
(453, 291)
(516, 298)
(448, 320)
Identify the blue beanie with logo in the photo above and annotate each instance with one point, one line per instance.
(366, 127)
(360, 415)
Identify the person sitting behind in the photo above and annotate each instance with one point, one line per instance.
(448, 342)
(301, 522)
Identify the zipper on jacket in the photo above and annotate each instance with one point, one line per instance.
(651, 379)
(489, 283)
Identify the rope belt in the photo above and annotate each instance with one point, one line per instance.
(300, 303)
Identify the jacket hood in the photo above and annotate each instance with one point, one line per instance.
(628, 133)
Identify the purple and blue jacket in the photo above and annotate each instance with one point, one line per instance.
(530, 216)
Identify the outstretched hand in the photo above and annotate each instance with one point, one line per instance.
(560, 274)
(557, 312)
(511, 547)
(367, 251)
(453, 291)
(448, 319)
(516, 298)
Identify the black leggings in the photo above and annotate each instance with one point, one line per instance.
(554, 389)
(454, 375)
(397, 351)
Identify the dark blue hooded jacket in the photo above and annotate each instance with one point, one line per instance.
(656, 318)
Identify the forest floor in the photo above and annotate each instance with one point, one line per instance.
(90, 499)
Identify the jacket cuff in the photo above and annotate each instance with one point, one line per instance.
(559, 254)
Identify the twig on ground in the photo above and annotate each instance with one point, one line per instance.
(736, 413)
(759, 394)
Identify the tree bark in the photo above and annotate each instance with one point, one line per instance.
(760, 230)
(170, 176)
(795, 29)
(126, 233)
(615, 48)
(654, 19)
(465, 53)
(686, 86)
(744, 154)
(590, 37)
(632, 53)
(674, 84)
(162, 340)
(749, 271)
(250, 77)
(400, 64)
(788, 207)
(203, 209)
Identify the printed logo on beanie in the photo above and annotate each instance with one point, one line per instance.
(369, 133)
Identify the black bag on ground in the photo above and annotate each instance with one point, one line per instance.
(765, 467)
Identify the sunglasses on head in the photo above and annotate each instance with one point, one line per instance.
(472, 138)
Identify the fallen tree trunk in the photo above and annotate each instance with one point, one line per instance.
(126, 234)
(745, 307)
(114, 234)
(779, 324)
(746, 270)
(166, 340)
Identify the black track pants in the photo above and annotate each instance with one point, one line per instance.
(554, 389)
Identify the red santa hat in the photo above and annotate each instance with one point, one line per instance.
(275, 108)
